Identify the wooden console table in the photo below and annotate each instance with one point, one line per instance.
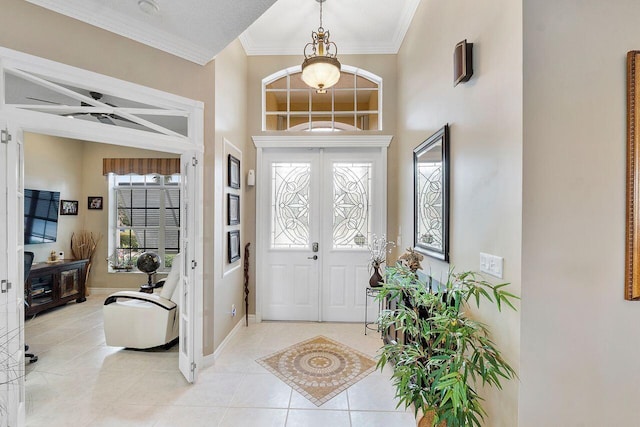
(52, 285)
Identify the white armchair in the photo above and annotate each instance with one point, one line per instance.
(140, 320)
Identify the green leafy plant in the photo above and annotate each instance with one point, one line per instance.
(444, 354)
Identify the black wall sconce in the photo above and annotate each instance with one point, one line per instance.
(462, 62)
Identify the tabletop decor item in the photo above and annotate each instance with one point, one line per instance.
(378, 249)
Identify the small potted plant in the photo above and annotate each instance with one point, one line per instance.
(120, 261)
(443, 354)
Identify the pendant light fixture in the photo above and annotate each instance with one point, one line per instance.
(321, 68)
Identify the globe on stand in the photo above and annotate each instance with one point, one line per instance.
(148, 262)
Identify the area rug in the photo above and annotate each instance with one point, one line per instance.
(319, 368)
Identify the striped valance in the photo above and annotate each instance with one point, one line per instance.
(141, 166)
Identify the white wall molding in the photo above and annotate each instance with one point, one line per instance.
(321, 141)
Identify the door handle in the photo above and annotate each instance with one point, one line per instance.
(313, 257)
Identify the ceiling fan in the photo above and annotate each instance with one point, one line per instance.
(102, 117)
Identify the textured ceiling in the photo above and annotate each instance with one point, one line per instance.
(197, 30)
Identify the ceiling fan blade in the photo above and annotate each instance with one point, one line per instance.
(104, 119)
(42, 100)
(123, 119)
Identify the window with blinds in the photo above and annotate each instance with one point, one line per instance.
(146, 217)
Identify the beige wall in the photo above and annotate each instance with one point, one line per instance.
(485, 118)
(230, 138)
(580, 346)
(55, 164)
(37, 31)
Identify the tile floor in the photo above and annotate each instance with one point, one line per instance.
(79, 381)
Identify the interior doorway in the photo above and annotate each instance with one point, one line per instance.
(317, 207)
(73, 88)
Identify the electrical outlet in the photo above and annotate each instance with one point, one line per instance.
(491, 264)
(233, 310)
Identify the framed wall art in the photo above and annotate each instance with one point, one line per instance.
(94, 203)
(233, 245)
(68, 207)
(233, 172)
(233, 209)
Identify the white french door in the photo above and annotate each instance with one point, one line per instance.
(320, 207)
(12, 404)
(188, 248)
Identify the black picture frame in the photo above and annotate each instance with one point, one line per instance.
(94, 203)
(431, 195)
(233, 209)
(68, 207)
(233, 245)
(233, 172)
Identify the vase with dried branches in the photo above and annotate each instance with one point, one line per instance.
(379, 247)
(83, 246)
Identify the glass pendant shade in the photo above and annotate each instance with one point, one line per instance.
(320, 72)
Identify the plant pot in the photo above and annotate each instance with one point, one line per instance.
(376, 278)
(426, 420)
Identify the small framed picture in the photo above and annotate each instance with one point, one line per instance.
(94, 203)
(233, 209)
(234, 172)
(233, 244)
(68, 207)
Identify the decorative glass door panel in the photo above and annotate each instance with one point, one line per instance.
(351, 205)
(290, 205)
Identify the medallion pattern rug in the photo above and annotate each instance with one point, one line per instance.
(319, 368)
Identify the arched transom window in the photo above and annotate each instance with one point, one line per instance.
(354, 103)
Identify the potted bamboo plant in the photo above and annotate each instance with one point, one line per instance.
(443, 355)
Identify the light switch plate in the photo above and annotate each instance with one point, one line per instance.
(491, 264)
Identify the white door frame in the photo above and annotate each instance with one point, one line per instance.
(190, 147)
(262, 142)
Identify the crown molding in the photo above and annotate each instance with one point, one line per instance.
(136, 30)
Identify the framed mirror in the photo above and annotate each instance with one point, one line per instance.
(431, 195)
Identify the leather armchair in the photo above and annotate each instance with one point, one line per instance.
(142, 320)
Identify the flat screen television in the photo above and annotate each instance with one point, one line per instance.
(40, 216)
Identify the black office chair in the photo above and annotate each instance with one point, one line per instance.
(28, 262)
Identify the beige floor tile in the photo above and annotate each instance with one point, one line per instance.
(339, 402)
(382, 419)
(372, 393)
(122, 415)
(262, 391)
(217, 389)
(315, 418)
(253, 417)
(190, 416)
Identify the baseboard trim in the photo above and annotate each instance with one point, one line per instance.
(107, 291)
(210, 359)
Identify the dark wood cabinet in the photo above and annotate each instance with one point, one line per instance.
(52, 285)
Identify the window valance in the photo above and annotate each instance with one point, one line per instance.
(141, 166)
